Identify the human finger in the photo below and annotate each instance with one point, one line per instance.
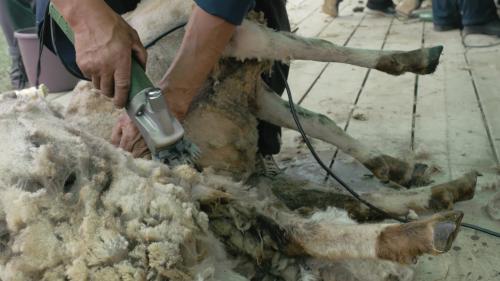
(122, 82)
(116, 134)
(96, 81)
(107, 85)
(130, 137)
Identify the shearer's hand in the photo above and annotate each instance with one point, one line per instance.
(104, 45)
(126, 136)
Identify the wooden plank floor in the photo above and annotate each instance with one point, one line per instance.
(449, 119)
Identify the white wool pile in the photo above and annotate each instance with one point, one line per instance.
(91, 112)
(73, 207)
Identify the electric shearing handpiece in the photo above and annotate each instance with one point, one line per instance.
(163, 133)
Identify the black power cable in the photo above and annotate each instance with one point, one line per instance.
(342, 183)
(481, 229)
(172, 30)
(41, 47)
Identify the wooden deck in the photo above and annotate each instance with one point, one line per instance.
(449, 119)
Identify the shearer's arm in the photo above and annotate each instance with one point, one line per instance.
(204, 41)
(210, 27)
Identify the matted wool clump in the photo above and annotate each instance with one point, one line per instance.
(74, 207)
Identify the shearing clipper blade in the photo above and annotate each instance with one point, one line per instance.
(163, 134)
(183, 152)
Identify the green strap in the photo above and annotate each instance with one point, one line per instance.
(138, 81)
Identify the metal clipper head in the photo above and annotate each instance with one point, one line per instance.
(182, 152)
(160, 129)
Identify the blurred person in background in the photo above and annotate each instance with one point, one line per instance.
(473, 16)
(380, 7)
(373, 7)
(15, 15)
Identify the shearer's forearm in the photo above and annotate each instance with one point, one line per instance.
(205, 39)
(78, 13)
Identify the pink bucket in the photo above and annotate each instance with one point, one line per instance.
(53, 73)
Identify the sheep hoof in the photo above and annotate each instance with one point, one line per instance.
(433, 55)
(420, 61)
(390, 169)
(445, 230)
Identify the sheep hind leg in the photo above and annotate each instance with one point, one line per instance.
(402, 243)
(256, 41)
(271, 108)
(305, 196)
(252, 40)
(264, 229)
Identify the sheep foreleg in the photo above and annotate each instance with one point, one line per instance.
(271, 108)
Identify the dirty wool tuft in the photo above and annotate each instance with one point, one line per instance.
(74, 207)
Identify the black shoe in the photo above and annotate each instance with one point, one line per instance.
(267, 166)
(440, 28)
(491, 28)
(18, 77)
(387, 12)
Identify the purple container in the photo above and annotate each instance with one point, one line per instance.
(53, 74)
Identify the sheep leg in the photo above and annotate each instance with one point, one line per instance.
(303, 195)
(271, 108)
(262, 229)
(401, 243)
(254, 41)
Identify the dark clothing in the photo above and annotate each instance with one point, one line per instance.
(15, 15)
(233, 11)
(379, 4)
(459, 13)
(277, 18)
(119, 6)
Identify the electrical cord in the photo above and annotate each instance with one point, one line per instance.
(481, 229)
(466, 45)
(166, 33)
(41, 47)
(339, 180)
